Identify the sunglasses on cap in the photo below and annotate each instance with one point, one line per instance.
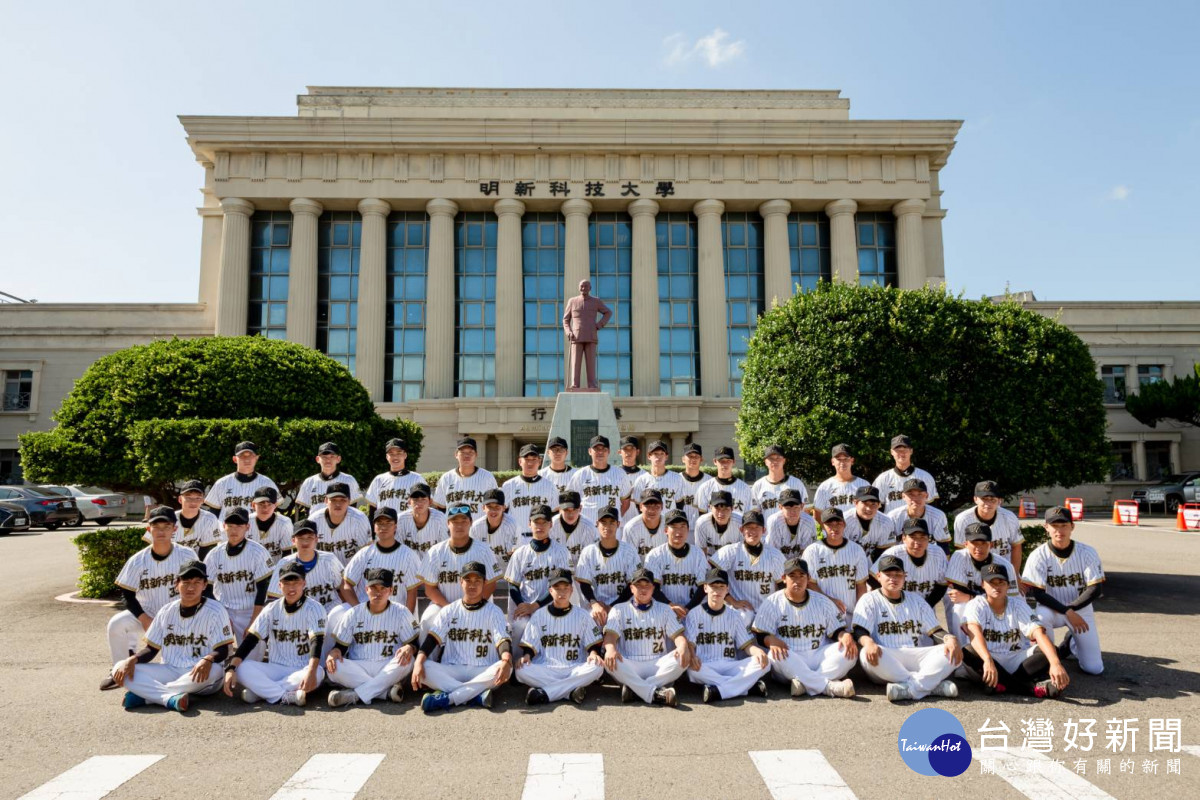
(455, 510)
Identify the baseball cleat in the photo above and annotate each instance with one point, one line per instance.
(665, 696)
(1046, 688)
(536, 697)
(842, 688)
(396, 693)
(946, 688)
(342, 697)
(798, 689)
(248, 696)
(486, 698)
(578, 695)
(711, 693)
(434, 701)
(297, 697)
(178, 702)
(897, 692)
(759, 689)
(1064, 648)
(627, 695)
(132, 700)
(108, 684)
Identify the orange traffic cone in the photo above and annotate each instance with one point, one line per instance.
(1180, 522)
(1116, 515)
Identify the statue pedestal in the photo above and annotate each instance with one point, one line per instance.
(578, 416)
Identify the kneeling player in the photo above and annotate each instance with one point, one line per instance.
(374, 645)
(717, 635)
(903, 645)
(561, 647)
(637, 637)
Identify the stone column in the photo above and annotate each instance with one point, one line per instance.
(510, 303)
(481, 448)
(576, 266)
(910, 243)
(1174, 456)
(1140, 469)
(302, 273)
(644, 299)
(439, 300)
(505, 458)
(777, 264)
(372, 297)
(843, 240)
(678, 442)
(233, 284)
(714, 340)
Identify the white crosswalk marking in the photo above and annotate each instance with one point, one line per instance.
(1037, 776)
(800, 775)
(330, 776)
(564, 776)
(92, 779)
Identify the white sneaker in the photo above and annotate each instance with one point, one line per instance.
(842, 688)
(297, 697)
(396, 693)
(342, 697)
(897, 692)
(946, 689)
(798, 689)
(249, 696)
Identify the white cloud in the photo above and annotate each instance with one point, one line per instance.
(714, 49)
(1119, 192)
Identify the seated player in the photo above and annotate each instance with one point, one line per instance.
(192, 634)
(755, 569)
(390, 489)
(268, 527)
(720, 526)
(679, 566)
(441, 569)
(924, 566)
(718, 637)
(791, 530)
(374, 644)
(916, 506)
(311, 496)
(606, 567)
(386, 552)
(902, 643)
(839, 566)
(497, 529)
(529, 571)
(560, 648)
(874, 532)
(645, 649)
(963, 574)
(241, 573)
(341, 529)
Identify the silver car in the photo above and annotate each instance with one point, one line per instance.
(94, 503)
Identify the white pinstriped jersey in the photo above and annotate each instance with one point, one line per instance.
(891, 487)
(277, 538)
(710, 538)
(561, 640)
(631, 474)
(838, 570)
(529, 569)
(741, 492)
(453, 488)
(153, 580)
(689, 493)
(364, 635)
(641, 537)
(678, 577)
(751, 578)
(766, 493)
(312, 492)
(902, 623)
(791, 543)
(1007, 632)
(390, 489)
(607, 575)
(935, 518)
(404, 563)
(204, 531)
(643, 634)
(918, 579)
(1006, 530)
(561, 480)
(345, 539)
(289, 635)
(669, 485)
(962, 572)
(881, 532)
(834, 493)
(234, 579)
(230, 492)
(442, 564)
(599, 489)
(804, 626)
(422, 538)
(1063, 578)
(470, 636)
(504, 540)
(182, 641)
(716, 635)
(521, 495)
(321, 582)
(585, 533)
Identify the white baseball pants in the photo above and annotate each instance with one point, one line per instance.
(332, 616)
(427, 618)
(272, 681)
(125, 634)
(558, 682)
(370, 680)
(463, 682)
(157, 683)
(920, 669)
(814, 668)
(643, 677)
(1084, 646)
(732, 677)
(239, 619)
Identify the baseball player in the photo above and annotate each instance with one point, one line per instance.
(717, 636)
(147, 582)
(237, 489)
(903, 644)
(197, 528)
(891, 483)
(322, 571)
(1065, 577)
(558, 471)
(755, 568)
(838, 491)
(192, 636)
(311, 497)
(267, 526)
(560, 648)
(599, 483)
(645, 531)
(477, 651)
(528, 489)
(963, 573)
(341, 529)
(668, 484)
(388, 553)
(874, 532)
(693, 479)
(442, 568)
(645, 649)
(924, 566)
(725, 481)
(720, 526)
(422, 526)
(790, 531)
(570, 528)
(241, 573)
(374, 645)
(294, 628)
(679, 566)
(497, 529)
(528, 571)
(1001, 627)
(630, 452)
(839, 567)
(765, 493)
(1007, 540)
(390, 489)
(808, 640)
(606, 567)
(466, 483)
(916, 506)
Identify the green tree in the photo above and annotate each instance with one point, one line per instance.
(148, 417)
(1178, 401)
(986, 390)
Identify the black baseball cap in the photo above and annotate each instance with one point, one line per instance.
(774, 450)
(292, 569)
(237, 516)
(608, 512)
(162, 514)
(192, 486)
(790, 497)
(338, 489)
(1058, 514)
(598, 441)
(398, 443)
(716, 575)
(387, 512)
(693, 447)
(866, 493)
(652, 496)
(568, 499)
(466, 441)
(265, 493)
(530, 450)
(560, 575)
(657, 444)
(752, 517)
(241, 446)
(328, 449)
(643, 574)
(629, 441)
(304, 526)
(720, 498)
(901, 441)
(493, 496)
(840, 450)
(556, 441)
(676, 516)
(992, 571)
(473, 568)
(192, 569)
(914, 526)
(979, 532)
(915, 485)
(890, 563)
(831, 514)
(987, 489)
(541, 512)
(419, 490)
(724, 451)
(795, 565)
(379, 576)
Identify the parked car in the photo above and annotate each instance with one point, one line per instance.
(12, 518)
(45, 509)
(1171, 491)
(99, 505)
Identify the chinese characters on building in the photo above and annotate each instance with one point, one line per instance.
(590, 189)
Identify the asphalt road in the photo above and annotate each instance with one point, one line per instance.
(55, 655)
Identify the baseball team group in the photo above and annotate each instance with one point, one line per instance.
(563, 575)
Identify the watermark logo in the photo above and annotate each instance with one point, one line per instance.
(933, 742)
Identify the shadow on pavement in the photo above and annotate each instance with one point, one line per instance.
(1149, 593)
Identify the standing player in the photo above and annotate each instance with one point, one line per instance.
(791, 530)
(528, 571)
(560, 648)
(390, 489)
(717, 637)
(741, 494)
(767, 488)
(389, 553)
(916, 498)
(341, 529)
(466, 483)
(964, 573)
(442, 568)
(322, 571)
(197, 528)
(874, 532)
(497, 529)
(570, 528)
(924, 566)
(630, 453)
(679, 566)
(840, 567)
(606, 567)
(645, 649)
(1065, 576)
(891, 483)
(720, 526)
(529, 489)
(374, 645)
(241, 573)
(693, 479)
(237, 489)
(1007, 540)
(838, 491)
(808, 639)
(268, 527)
(558, 471)
(600, 484)
(903, 644)
(755, 569)
(668, 484)
(311, 497)
(422, 526)
(645, 531)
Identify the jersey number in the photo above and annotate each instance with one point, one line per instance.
(388, 651)
(481, 651)
(572, 655)
(657, 648)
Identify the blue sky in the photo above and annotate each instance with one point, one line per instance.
(1075, 174)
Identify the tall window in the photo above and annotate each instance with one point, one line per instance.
(404, 367)
(10, 467)
(876, 249)
(611, 240)
(1149, 373)
(1114, 384)
(678, 326)
(270, 253)
(475, 276)
(1158, 460)
(542, 243)
(808, 246)
(1122, 467)
(18, 390)
(339, 239)
(743, 287)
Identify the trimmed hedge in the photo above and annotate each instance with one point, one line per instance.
(102, 553)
